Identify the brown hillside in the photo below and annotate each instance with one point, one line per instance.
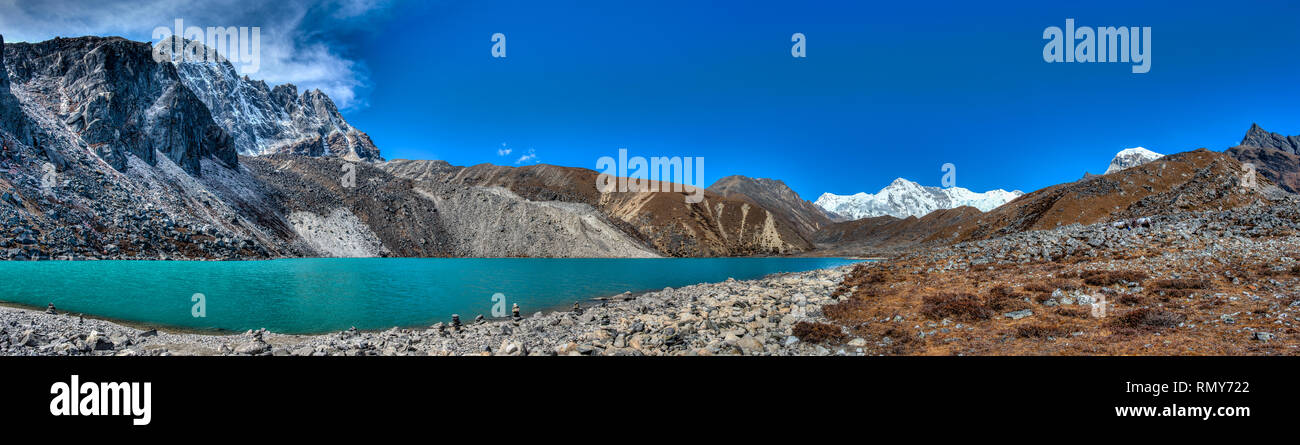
(775, 196)
(1190, 181)
(882, 234)
(717, 226)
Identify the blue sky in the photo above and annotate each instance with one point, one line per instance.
(887, 90)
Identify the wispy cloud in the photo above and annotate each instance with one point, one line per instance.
(303, 41)
(530, 157)
(504, 150)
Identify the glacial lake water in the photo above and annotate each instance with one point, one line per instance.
(331, 294)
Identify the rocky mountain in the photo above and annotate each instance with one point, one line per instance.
(1275, 157)
(1258, 137)
(1199, 180)
(775, 196)
(903, 198)
(717, 226)
(264, 120)
(1131, 157)
(107, 95)
(388, 215)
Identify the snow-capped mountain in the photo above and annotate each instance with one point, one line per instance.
(1131, 157)
(903, 198)
(264, 120)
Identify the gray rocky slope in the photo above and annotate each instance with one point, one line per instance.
(108, 153)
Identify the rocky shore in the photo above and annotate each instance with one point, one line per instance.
(752, 317)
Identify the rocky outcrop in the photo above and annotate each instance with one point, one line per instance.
(1258, 137)
(114, 99)
(264, 120)
(776, 197)
(1275, 157)
(12, 119)
(1280, 167)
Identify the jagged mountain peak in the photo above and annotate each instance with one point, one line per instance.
(108, 95)
(1259, 137)
(262, 119)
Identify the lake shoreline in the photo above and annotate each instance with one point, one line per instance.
(752, 317)
(316, 296)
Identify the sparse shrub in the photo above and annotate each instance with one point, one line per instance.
(1130, 300)
(1073, 312)
(813, 332)
(848, 311)
(1040, 287)
(1052, 285)
(879, 277)
(1148, 318)
(1004, 299)
(1183, 283)
(1109, 277)
(965, 307)
(1179, 287)
(1041, 330)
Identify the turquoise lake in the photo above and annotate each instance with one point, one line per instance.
(331, 294)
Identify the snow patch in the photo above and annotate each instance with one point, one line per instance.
(1131, 157)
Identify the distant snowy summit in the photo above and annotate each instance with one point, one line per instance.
(1132, 157)
(903, 198)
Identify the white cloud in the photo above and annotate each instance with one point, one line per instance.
(299, 38)
(504, 150)
(530, 157)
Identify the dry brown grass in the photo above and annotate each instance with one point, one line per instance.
(1138, 324)
(964, 307)
(1052, 285)
(1179, 288)
(1148, 318)
(849, 312)
(1073, 312)
(1130, 300)
(1003, 298)
(1042, 330)
(1110, 277)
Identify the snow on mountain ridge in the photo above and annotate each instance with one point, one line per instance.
(1131, 157)
(903, 198)
(264, 120)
